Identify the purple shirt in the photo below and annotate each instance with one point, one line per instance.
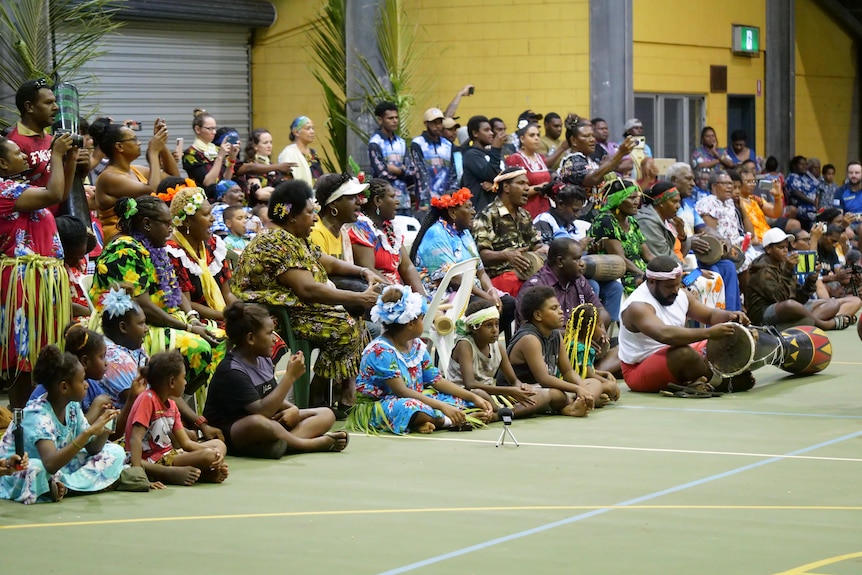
(570, 296)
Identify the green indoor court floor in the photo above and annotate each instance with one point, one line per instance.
(765, 482)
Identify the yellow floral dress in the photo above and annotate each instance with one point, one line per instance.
(126, 260)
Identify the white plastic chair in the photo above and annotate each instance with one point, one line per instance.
(410, 227)
(86, 283)
(444, 344)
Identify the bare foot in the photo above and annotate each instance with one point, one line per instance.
(427, 427)
(216, 475)
(157, 485)
(603, 400)
(58, 490)
(187, 475)
(340, 439)
(577, 408)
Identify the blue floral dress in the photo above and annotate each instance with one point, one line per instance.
(85, 473)
(442, 247)
(381, 361)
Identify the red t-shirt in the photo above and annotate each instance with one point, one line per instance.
(38, 150)
(160, 420)
(537, 174)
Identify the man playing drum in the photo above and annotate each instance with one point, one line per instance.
(655, 348)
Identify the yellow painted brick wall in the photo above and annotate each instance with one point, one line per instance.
(673, 55)
(282, 85)
(825, 70)
(518, 54)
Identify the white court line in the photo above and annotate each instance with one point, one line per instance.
(622, 448)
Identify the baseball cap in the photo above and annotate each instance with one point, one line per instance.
(432, 114)
(632, 123)
(775, 236)
(530, 116)
(351, 187)
(450, 123)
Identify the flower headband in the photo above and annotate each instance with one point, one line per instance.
(191, 203)
(452, 200)
(664, 196)
(463, 325)
(117, 303)
(168, 195)
(410, 306)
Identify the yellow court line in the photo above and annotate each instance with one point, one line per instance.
(343, 512)
(618, 448)
(804, 570)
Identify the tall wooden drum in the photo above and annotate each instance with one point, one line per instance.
(604, 267)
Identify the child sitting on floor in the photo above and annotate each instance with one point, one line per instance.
(155, 437)
(398, 388)
(235, 218)
(580, 337)
(479, 355)
(66, 453)
(89, 347)
(535, 355)
(245, 402)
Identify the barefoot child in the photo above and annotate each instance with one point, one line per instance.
(535, 355)
(245, 402)
(581, 336)
(67, 454)
(398, 388)
(155, 437)
(479, 356)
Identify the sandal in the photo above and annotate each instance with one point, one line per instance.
(700, 388)
(842, 322)
(685, 394)
(336, 436)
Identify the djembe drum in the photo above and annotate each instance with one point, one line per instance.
(802, 350)
(603, 267)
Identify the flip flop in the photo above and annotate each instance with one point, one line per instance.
(465, 426)
(335, 438)
(704, 389)
(685, 394)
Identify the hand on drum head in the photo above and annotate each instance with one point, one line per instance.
(719, 331)
(699, 245)
(738, 317)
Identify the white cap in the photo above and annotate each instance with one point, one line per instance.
(775, 236)
(351, 187)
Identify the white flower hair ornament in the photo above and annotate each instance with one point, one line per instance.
(193, 204)
(117, 303)
(408, 307)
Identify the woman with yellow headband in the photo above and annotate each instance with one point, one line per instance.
(307, 164)
(199, 257)
(665, 235)
(616, 231)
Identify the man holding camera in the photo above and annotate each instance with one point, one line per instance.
(37, 105)
(774, 297)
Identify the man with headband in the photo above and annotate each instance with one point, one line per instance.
(510, 247)
(656, 349)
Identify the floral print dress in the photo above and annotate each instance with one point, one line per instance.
(382, 361)
(125, 259)
(607, 227)
(31, 238)
(84, 473)
(329, 327)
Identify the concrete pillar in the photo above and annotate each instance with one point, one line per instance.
(780, 88)
(611, 63)
(361, 39)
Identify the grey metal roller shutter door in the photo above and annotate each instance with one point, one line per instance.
(167, 70)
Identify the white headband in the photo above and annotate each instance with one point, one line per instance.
(671, 275)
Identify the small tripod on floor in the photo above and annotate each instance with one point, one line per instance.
(506, 415)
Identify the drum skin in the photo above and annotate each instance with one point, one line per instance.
(716, 250)
(604, 267)
(807, 350)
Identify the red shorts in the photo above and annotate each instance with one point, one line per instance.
(652, 374)
(507, 282)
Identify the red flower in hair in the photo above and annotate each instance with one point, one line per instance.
(456, 199)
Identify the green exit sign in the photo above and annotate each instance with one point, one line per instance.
(746, 40)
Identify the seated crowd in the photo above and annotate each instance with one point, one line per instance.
(159, 318)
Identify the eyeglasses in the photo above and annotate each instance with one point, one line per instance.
(209, 128)
(808, 239)
(135, 139)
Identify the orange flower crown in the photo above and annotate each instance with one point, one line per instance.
(171, 192)
(453, 200)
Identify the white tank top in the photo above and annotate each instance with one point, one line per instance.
(636, 347)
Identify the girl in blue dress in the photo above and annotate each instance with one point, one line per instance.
(67, 454)
(398, 388)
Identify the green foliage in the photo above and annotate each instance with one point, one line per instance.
(53, 39)
(396, 40)
(328, 45)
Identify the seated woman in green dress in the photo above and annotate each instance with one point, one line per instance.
(137, 257)
(282, 267)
